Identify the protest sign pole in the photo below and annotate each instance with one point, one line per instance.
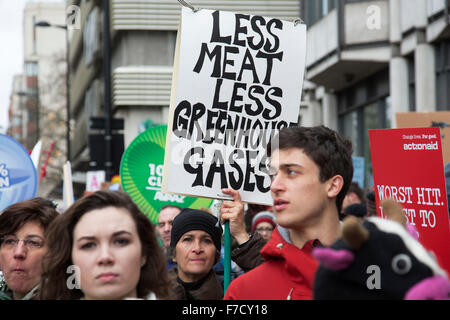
(226, 245)
(227, 257)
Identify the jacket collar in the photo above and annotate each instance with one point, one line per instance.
(7, 294)
(280, 238)
(208, 288)
(299, 263)
(284, 233)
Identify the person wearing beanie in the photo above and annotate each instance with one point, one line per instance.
(357, 210)
(371, 204)
(195, 241)
(264, 223)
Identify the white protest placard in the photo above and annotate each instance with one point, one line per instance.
(94, 180)
(237, 80)
(67, 185)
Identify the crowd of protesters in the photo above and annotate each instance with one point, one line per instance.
(104, 247)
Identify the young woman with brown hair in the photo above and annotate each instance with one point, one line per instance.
(111, 246)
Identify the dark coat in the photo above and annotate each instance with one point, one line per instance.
(247, 256)
(208, 288)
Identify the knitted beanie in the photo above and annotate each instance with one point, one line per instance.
(263, 216)
(358, 210)
(193, 219)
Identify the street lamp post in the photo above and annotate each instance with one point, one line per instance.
(46, 24)
(107, 89)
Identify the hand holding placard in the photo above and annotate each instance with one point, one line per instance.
(233, 211)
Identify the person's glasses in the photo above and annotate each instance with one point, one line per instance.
(264, 229)
(31, 243)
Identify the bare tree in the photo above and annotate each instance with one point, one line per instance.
(52, 122)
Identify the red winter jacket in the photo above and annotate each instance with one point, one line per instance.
(288, 273)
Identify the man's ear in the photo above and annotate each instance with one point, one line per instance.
(335, 185)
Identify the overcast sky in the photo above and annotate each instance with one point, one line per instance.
(11, 50)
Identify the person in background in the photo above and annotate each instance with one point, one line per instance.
(264, 223)
(311, 171)
(103, 248)
(22, 247)
(250, 210)
(371, 203)
(357, 210)
(165, 220)
(246, 252)
(354, 202)
(164, 229)
(196, 241)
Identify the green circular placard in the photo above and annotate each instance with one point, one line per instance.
(141, 172)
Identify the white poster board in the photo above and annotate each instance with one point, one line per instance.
(237, 80)
(67, 185)
(94, 180)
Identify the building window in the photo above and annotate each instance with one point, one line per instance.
(443, 75)
(411, 82)
(17, 121)
(31, 69)
(314, 10)
(350, 128)
(364, 106)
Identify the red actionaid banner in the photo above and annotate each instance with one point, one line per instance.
(408, 166)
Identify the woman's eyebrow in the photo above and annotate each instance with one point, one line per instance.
(87, 238)
(34, 236)
(118, 233)
(115, 234)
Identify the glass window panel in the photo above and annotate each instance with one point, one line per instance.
(371, 121)
(324, 7)
(332, 4)
(388, 112)
(311, 12)
(350, 129)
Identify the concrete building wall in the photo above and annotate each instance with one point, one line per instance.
(405, 28)
(369, 60)
(318, 46)
(365, 24)
(46, 41)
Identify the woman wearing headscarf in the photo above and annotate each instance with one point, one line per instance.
(196, 242)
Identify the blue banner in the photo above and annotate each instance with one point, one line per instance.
(358, 170)
(18, 176)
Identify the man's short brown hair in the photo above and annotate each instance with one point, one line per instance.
(328, 149)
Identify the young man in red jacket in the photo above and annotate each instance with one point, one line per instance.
(311, 171)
